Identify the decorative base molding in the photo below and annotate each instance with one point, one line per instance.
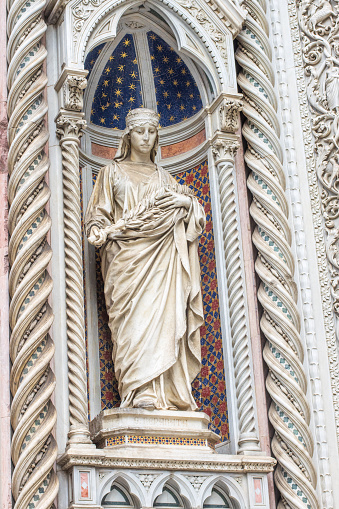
(133, 427)
(151, 459)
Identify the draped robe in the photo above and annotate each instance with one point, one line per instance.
(152, 288)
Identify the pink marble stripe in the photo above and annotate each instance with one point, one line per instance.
(256, 340)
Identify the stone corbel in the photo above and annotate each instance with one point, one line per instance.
(224, 148)
(224, 113)
(229, 115)
(72, 82)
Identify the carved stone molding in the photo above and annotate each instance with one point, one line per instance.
(316, 60)
(229, 12)
(292, 444)
(69, 129)
(229, 115)
(108, 459)
(196, 480)
(224, 150)
(147, 480)
(204, 19)
(313, 346)
(73, 92)
(32, 383)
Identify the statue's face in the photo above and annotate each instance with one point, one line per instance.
(143, 138)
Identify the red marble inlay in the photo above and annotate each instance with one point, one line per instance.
(84, 484)
(102, 151)
(257, 491)
(183, 146)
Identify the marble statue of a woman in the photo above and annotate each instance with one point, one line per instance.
(148, 228)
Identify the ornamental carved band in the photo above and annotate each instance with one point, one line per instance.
(33, 415)
(292, 444)
(320, 64)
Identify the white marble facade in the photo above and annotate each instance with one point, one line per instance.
(267, 74)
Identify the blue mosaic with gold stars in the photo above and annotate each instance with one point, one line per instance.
(177, 93)
(92, 58)
(209, 388)
(118, 90)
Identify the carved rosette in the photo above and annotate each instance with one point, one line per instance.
(33, 415)
(289, 413)
(69, 127)
(224, 150)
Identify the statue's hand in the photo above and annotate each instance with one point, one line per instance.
(97, 236)
(173, 200)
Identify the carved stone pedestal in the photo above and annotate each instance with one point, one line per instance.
(142, 452)
(153, 429)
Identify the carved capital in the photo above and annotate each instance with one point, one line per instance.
(69, 126)
(73, 88)
(228, 115)
(224, 149)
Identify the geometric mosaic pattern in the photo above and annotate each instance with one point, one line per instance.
(209, 388)
(155, 440)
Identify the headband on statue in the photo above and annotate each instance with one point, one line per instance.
(137, 118)
(141, 116)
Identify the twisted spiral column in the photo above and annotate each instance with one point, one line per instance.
(33, 415)
(292, 443)
(224, 152)
(69, 130)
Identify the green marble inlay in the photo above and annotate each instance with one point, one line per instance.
(265, 187)
(297, 490)
(31, 229)
(33, 107)
(256, 84)
(36, 424)
(260, 135)
(277, 302)
(28, 58)
(290, 425)
(271, 243)
(283, 361)
(30, 170)
(249, 32)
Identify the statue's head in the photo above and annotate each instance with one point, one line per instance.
(137, 118)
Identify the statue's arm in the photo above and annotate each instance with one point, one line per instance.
(100, 209)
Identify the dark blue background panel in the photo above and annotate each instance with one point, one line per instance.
(118, 90)
(177, 93)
